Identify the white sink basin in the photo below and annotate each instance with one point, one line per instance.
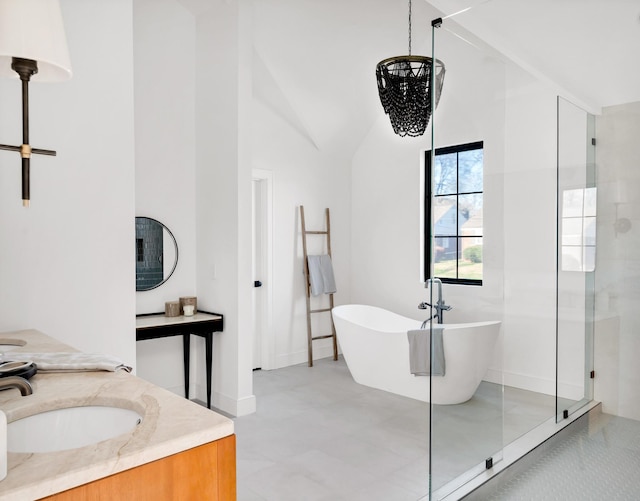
(69, 428)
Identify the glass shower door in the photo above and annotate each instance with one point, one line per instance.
(577, 196)
(465, 172)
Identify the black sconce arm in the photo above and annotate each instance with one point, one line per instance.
(26, 68)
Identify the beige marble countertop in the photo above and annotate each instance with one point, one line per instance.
(170, 424)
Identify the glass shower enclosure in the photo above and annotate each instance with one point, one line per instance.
(533, 217)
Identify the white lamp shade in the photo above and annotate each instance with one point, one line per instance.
(33, 29)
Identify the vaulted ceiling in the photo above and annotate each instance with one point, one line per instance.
(314, 60)
(589, 48)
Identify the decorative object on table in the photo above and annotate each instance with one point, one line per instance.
(188, 310)
(172, 309)
(406, 88)
(33, 46)
(189, 300)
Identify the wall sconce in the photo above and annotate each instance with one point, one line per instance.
(621, 195)
(621, 224)
(33, 46)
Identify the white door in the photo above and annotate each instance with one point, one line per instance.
(261, 268)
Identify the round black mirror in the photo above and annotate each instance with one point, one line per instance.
(156, 253)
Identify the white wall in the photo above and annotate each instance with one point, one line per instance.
(65, 263)
(302, 175)
(232, 131)
(303, 136)
(164, 77)
(223, 210)
(529, 214)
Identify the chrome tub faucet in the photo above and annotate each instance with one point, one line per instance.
(439, 306)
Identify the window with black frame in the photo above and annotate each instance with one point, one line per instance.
(453, 205)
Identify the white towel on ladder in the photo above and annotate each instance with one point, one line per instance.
(321, 276)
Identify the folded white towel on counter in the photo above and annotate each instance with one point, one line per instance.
(321, 276)
(70, 362)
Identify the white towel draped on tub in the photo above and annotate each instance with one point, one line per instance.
(420, 350)
(321, 276)
(70, 362)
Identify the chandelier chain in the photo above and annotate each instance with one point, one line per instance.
(409, 27)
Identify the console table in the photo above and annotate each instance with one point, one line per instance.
(203, 324)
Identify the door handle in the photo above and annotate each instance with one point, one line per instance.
(257, 283)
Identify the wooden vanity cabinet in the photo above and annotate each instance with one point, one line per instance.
(207, 472)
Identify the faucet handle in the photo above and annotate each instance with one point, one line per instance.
(424, 306)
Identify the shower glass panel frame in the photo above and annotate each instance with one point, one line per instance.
(466, 439)
(576, 257)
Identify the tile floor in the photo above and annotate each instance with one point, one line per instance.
(318, 435)
(597, 461)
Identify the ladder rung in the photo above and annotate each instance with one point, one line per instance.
(322, 337)
(307, 232)
(320, 311)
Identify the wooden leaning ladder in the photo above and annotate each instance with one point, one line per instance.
(310, 336)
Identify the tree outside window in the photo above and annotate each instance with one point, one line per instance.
(453, 219)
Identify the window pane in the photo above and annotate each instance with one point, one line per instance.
(445, 257)
(572, 231)
(590, 199)
(470, 266)
(456, 219)
(444, 215)
(589, 231)
(445, 175)
(470, 170)
(470, 215)
(589, 259)
(572, 203)
(572, 258)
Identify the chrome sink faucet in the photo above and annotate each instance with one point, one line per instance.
(16, 382)
(440, 305)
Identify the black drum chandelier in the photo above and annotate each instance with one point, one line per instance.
(405, 86)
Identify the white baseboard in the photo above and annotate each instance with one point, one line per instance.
(522, 381)
(300, 357)
(534, 383)
(234, 407)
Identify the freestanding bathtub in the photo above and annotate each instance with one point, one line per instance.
(376, 349)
